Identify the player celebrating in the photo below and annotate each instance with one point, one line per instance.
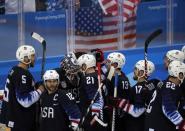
(117, 60)
(135, 105)
(138, 98)
(173, 55)
(69, 75)
(164, 104)
(19, 93)
(55, 104)
(88, 88)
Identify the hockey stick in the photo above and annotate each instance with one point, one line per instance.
(41, 40)
(99, 83)
(111, 73)
(147, 42)
(114, 109)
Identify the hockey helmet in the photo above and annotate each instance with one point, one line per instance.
(140, 65)
(177, 69)
(50, 75)
(88, 59)
(70, 64)
(23, 52)
(118, 58)
(175, 55)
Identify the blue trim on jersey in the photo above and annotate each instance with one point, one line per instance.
(98, 105)
(169, 106)
(136, 111)
(70, 108)
(27, 99)
(72, 111)
(173, 116)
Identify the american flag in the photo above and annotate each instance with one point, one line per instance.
(129, 17)
(109, 6)
(95, 30)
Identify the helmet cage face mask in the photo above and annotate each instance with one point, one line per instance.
(70, 64)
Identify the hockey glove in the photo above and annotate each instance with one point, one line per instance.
(2, 127)
(154, 83)
(38, 84)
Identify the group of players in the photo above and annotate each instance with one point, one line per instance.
(83, 92)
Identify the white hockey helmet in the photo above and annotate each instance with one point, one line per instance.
(51, 75)
(140, 65)
(176, 68)
(25, 51)
(80, 60)
(175, 55)
(88, 59)
(118, 58)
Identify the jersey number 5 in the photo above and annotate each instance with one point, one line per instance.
(6, 91)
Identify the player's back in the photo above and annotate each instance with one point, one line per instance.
(138, 97)
(19, 81)
(88, 88)
(123, 89)
(154, 114)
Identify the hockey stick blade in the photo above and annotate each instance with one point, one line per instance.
(42, 41)
(151, 37)
(39, 38)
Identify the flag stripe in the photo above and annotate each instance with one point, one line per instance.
(130, 45)
(106, 48)
(105, 41)
(109, 6)
(129, 36)
(109, 39)
(129, 40)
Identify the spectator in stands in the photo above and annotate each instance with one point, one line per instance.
(52, 5)
(40, 5)
(11, 6)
